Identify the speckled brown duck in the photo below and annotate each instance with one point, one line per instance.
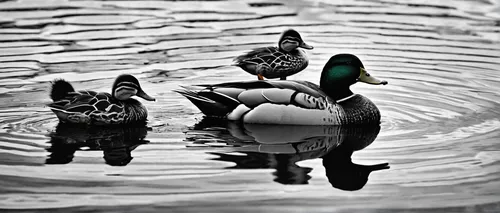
(100, 108)
(276, 62)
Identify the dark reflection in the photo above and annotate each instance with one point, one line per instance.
(116, 142)
(340, 170)
(280, 147)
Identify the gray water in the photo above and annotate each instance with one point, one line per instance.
(440, 111)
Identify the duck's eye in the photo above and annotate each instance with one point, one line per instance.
(367, 74)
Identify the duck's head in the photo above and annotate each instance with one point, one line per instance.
(126, 86)
(291, 40)
(343, 70)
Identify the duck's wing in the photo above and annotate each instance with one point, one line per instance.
(298, 86)
(86, 102)
(227, 99)
(265, 55)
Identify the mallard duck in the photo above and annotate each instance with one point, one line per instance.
(293, 102)
(100, 108)
(276, 62)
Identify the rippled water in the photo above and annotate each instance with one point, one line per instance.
(440, 112)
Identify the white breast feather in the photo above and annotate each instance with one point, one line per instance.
(278, 96)
(289, 114)
(237, 112)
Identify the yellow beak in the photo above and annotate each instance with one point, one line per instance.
(364, 76)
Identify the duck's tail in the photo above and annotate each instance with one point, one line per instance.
(60, 88)
(210, 103)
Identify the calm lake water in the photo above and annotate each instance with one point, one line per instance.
(440, 111)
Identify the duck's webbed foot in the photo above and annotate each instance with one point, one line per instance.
(260, 77)
(261, 70)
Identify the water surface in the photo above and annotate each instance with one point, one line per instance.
(440, 112)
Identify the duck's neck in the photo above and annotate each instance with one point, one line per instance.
(338, 94)
(359, 110)
(136, 112)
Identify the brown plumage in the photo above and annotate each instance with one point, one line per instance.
(276, 62)
(99, 108)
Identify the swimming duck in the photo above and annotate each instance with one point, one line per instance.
(276, 62)
(100, 108)
(293, 102)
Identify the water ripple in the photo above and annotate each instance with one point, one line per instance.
(440, 111)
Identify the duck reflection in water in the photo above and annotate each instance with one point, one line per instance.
(116, 142)
(280, 147)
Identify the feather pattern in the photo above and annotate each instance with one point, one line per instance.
(278, 102)
(98, 108)
(272, 63)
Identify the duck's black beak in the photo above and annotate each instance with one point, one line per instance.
(142, 94)
(306, 46)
